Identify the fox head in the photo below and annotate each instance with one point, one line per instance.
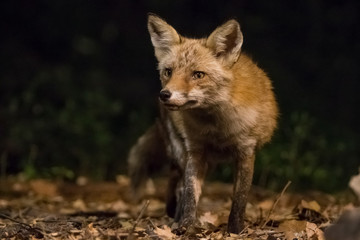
(194, 72)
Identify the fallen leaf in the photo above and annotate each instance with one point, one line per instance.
(123, 180)
(292, 228)
(82, 181)
(312, 205)
(92, 230)
(313, 232)
(44, 188)
(209, 218)
(126, 225)
(310, 211)
(79, 204)
(119, 206)
(164, 233)
(156, 208)
(250, 231)
(266, 204)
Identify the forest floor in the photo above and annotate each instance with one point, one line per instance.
(43, 209)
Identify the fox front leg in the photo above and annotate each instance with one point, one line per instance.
(243, 178)
(194, 175)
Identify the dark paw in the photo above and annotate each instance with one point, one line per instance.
(188, 226)
(179, 231)
(187, 222)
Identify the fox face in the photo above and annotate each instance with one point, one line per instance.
(194, 73)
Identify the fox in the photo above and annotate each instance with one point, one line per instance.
(215, 105)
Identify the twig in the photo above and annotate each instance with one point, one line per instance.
(275, 203)
(35, 230)
(151, 222)
(16, 221)
(138, 219)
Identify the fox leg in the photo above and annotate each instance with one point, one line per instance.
(146, 156)
(194, 175)
(242, 184)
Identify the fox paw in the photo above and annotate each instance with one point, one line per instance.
(187, 222)
(188, 225)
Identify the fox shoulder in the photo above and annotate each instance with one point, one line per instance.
(253, 90)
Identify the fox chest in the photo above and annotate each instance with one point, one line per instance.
(213, 132)
(217, 136)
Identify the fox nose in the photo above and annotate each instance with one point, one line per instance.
(164, 95)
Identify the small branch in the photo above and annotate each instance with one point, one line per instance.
(35, 230)
(151, 222)
(275, 203)
(15, 221)
(138, 219)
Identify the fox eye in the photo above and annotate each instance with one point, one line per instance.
(167, 72)
(198, 75)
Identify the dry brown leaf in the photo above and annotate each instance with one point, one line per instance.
(82, 181)
(156, 208)
(310, 211)
(209, 218)
(250, 231)
(123, 180)
(150, 188)
(164, 233)
(92, 230)
(266, 204)
(79, 204)
(126, 225)
(292, 228)
(293, 225)
(3, 203)
(233, 236)
(216, 235)
(313, 232)
(44, 188)
(119, 206)
(312, 205)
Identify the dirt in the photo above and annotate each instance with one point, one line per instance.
(43, 209)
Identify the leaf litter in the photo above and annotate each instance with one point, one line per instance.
(43, 209)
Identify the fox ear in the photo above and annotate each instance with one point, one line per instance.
(163, 36)
(226, 42)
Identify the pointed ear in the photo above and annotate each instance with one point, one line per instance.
(163, 36)
(226, 42)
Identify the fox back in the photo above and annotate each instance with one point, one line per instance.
(216, 104)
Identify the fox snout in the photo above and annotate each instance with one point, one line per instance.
(164, 95)
(176, 100)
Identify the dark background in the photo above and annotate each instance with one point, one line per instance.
(78, 84)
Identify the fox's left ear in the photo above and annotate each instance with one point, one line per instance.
(226, 42)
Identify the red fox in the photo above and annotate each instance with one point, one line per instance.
(216, 104)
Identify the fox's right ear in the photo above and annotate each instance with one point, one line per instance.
(163, 36)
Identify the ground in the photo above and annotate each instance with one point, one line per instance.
(43, 209)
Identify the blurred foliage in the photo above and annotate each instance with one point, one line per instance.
(311, 155)
(78, 84)
(306, 153)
